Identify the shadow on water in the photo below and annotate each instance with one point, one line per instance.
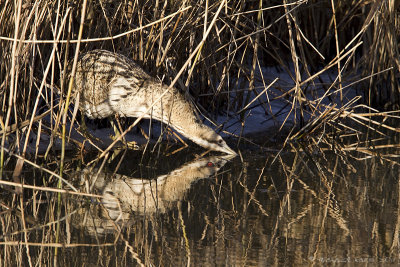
(302, 207)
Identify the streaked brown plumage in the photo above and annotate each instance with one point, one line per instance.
(110, 83)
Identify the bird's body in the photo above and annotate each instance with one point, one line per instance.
(110, 83)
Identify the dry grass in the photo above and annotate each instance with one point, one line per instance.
(212, 50)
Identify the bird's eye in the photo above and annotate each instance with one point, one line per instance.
(220, 141)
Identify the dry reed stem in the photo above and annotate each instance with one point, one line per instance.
(14, 127)
(38, 167)
(49, 189)
(337, 49)
(17, 15)
(55, 245)
(96, 39)
(71, 82)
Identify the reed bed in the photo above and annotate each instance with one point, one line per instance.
(340, 60)
(217, 52)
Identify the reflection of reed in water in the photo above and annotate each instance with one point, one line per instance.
(123, 195)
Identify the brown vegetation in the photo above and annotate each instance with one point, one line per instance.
(215, 51)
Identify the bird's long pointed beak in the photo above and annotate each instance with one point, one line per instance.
(229, 150)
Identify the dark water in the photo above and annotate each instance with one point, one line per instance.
(295, 208)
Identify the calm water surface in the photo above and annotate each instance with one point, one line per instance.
(302, 208)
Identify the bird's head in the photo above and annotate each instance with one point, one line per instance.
(207, 138)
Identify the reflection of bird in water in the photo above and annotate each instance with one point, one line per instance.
(124, 196)
(110, 83)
